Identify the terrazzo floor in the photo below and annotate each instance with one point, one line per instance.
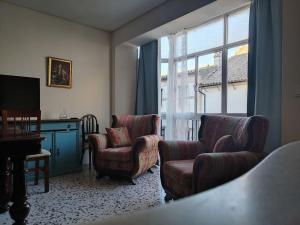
(80, 198)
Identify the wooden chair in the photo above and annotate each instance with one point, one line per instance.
(89, 125)
(22, 120)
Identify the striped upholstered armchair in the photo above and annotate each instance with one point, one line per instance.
(227, 148)
(132, 160)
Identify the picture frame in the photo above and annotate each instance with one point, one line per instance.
(59, 73)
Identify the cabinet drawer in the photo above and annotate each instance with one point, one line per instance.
(58, 126)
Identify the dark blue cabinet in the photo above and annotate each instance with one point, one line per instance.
(63, 141)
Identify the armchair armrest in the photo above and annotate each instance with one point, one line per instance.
(213, 169)
(98, 142)
(145, 151)
(146, 143)
(180, 150)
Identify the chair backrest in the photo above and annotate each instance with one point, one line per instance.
(21, 120)
(89, 124)
(250, 133)
(137, 125)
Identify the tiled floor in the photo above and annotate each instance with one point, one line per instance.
(80, 197)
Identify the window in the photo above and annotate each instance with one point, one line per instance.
(237, 64)
(217, 53)
(210, 35)
(238, 26)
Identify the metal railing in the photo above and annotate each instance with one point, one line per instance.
(193, 121)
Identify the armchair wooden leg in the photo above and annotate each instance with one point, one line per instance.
(150, 170)
(157, 163)
(131, 181)
(168, 198)
(46, 172)
(36, 172)
(99, 175)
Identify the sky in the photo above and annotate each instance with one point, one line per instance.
(210, 35)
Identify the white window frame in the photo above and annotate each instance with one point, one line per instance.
(195, 117)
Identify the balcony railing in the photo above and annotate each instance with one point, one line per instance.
(193, 122)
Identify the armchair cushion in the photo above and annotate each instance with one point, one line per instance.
(119, 137)
(225, 144)
(178, 176)
(122, 154)
(180, 150)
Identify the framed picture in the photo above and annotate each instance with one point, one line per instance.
(59, 73)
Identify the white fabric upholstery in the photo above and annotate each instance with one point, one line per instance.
(44, 153)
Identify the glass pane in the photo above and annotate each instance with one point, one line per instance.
(164, 85)
(164, 96)
(164, 47)
(164, 68)
(237, 79)
(180, 45)
(190, 66)
(185, 82)
(209, 96)
(209, 35)
(238, 26)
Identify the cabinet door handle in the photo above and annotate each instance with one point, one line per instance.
(57, 151)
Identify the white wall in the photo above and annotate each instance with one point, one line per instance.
(291, 71)
(124, 79)
(28, 37)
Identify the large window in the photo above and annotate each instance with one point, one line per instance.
(217, 63)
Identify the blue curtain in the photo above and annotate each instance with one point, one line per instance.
(265, 66)
(147, 83)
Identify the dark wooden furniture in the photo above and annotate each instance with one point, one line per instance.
(89, 125)
(43, 156)
(22, 120)
(15, 145)
(5, 183)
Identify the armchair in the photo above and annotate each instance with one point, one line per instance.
(130, 161)
(227, 148)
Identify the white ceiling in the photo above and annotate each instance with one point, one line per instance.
(102, 14)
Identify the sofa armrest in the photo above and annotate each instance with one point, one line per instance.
(213, 169)
(180, 150)
(98, 142)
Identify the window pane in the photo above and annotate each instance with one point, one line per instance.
(210, 83)
(180, 45)
(237, 79)
(164, 85)
(185, 82)
(164, 96)
(207, 36)
(238, 26)
(164, 47)
(190, 66)
(164, 68)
